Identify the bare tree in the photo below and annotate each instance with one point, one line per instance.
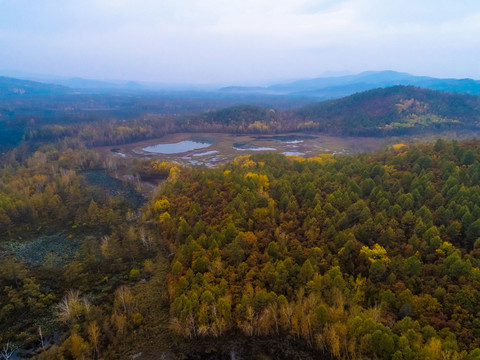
(146, 241)
(124, 298)
(70, 306)
(7, 351)
(42, 340)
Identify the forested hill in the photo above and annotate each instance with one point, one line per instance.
(394, 110)
(16, 87)
(380, 112)
(367, 257)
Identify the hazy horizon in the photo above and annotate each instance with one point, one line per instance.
(46, 78)
(238, 43)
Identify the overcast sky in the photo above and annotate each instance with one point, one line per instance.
(238, 42)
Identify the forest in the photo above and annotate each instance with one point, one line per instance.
(364, 257)
(371, 256)
(347, 257)
(239, 180)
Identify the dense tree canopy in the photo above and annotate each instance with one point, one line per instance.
(367, 256)
(360, 257)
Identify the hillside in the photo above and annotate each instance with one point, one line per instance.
(365, 257)
(394, 111)
(236, 118)
(16, 87)
(389, 111)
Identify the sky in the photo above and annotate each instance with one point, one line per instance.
(233, 42)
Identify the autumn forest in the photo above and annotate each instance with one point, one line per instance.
(324, 256)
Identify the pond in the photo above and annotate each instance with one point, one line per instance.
(177, 148)
(293, 153)
(214, 149)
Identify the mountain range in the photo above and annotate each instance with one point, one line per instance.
(339, 86)
(322, 88)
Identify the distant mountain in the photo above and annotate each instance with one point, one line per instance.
(80, 83)
(105, 87)
(340, 86)
(388, 111)
(16, 87)
(323, 88)
(243, 89)
(94, 86)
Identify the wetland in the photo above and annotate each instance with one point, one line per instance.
(214, 149)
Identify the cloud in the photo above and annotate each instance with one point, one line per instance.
(318, 6)
(237, 41)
